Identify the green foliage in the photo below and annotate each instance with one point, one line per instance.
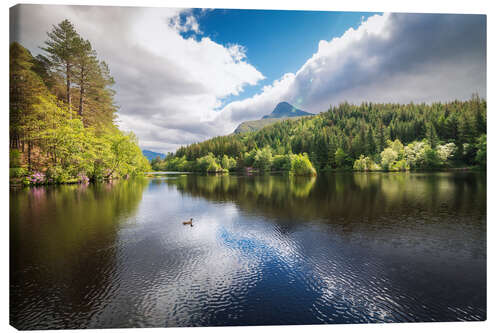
(228, 163)
(446, 152)
(17, 172)
(55, 143)
(14, 158)
(365, 163)
(301, 166)
(263, 159)
(208, 163)
(401, 165)
(431, 159)
(282, 162)
(388, 157)
(481, 151)
(340, 158)
(397, 147)
(336, 138)
(414, 154)
(249, 157)
(57, 175)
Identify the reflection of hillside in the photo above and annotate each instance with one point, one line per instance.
(344, 198)
(57, 237)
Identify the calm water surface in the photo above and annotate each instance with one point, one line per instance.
(274, 249)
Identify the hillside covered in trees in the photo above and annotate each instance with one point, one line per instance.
(62, 113)
(391, 137)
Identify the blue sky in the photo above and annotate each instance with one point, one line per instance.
(186, 75)
(276, 41)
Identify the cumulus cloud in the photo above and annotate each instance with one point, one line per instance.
(389, 58)
(167, 86)
(170, 87)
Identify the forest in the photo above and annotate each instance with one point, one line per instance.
(62, 115)
(365, 137)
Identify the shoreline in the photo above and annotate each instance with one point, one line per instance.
(20, 184)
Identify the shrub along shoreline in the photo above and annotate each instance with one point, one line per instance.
(257, 160)
(417, 156)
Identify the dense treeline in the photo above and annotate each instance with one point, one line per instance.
(62, 113)
(440, 134)
(255, 160)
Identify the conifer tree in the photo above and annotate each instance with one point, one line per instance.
(86, 69)
(61, 48)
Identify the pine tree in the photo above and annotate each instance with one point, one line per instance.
(331, 157)
(25, 87)
(61, 48)
(431, 135)
(380, 137)
(371, 146)
(86, 69)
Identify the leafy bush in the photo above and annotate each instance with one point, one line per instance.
(365, 164)
(282, 162)
(302, 166)
(228, 163)
(56, 174)
(263, 159)
(401, 165)
(431, 159)
(17, 172)
(481, 151)
(340, 157)
(14, 158)
(208, 163)
(446, 152)
(389, 156)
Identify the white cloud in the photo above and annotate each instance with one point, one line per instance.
(167, 86)
(389, 58)
(171, 88)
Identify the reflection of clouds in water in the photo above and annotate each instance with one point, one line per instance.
(198, 274)
(209, 266)
(232, 262)
(226, 254)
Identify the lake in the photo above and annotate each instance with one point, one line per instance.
(263, 249)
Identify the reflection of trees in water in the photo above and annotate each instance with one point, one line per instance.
(426, 191)
(63, 249)
(343, 195)
(443, 210)
(416, 213)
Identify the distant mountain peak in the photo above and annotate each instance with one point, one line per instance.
(282, 111)
(285, 109)
(151, 155)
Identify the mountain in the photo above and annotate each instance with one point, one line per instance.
(151, 155)
(282, 111)
(285, 109)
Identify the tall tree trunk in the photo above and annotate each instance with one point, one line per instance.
(29, 155)
(68, 84)
(80, 107)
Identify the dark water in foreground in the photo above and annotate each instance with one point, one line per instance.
(339, 248)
